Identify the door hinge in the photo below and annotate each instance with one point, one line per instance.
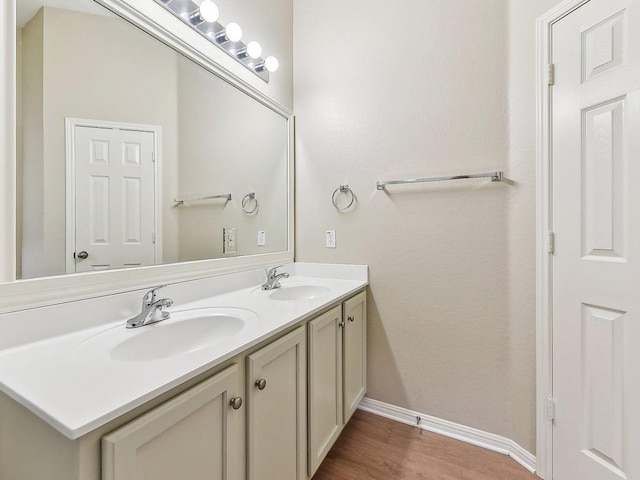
(551, 74)
(551, 409)
(153, 237)
(551, 243)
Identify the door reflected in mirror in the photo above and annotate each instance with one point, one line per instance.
(130, 154)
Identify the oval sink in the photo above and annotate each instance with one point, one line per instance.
(299, 292)
(169, 339)
(186, 331)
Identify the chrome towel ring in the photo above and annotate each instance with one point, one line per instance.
(250, 200)
(344, 189)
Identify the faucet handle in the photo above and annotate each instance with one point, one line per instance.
(273, 271)
(157, 312)
(150, 296)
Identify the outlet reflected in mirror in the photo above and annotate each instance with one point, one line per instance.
(113, 127)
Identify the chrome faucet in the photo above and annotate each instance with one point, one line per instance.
(152, 310)
(273, 278)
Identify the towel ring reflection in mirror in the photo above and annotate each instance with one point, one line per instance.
(343, 189)
(250, 204)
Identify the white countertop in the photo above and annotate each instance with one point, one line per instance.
(70, 383)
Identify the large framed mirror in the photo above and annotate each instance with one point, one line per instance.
(137, 158)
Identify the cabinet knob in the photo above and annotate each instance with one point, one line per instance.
(236, 403)
(351, 318)
(261, 384)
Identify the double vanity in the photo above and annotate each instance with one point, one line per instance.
(216, 378)
(238, 382)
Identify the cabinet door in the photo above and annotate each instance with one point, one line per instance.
(325, 385)
(354, 352)
(276, 415)
(193, 436)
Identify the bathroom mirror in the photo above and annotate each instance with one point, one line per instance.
(129, 154)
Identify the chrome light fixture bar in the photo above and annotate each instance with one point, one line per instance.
(202, 16)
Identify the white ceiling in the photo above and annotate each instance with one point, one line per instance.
(26, 9)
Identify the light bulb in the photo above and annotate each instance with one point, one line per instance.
(209, 11)
(271, 64)
(254, 50)
(233, 32)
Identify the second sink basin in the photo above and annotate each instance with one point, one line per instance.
(186, 331)
(298, 292)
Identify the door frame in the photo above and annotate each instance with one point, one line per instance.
(71, 124)
(544, 239)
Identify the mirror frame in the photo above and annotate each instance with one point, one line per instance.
(158, 22)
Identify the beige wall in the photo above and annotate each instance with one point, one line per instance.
(245, 152)
(448, 90)
(19, 152)
(31, 158)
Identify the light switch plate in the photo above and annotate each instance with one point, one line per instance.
(229, 240)
(331, 239)
(262, 238)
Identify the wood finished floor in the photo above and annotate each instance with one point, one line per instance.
(375, 448)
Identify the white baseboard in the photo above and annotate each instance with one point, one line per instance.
(480, 438)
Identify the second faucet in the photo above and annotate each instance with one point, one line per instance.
(273, 278)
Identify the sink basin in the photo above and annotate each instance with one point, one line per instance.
(163, 340)
(298, 292)
(186, 331)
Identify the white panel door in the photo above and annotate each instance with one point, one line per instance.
(596, 219)
(115, 198)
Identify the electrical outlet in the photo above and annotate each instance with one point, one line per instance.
(331, 239)
(229, 240)
(262, 238)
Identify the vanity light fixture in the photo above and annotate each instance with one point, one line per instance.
(232, 33)
(270, 64)
(208, 12)
(252, 50)
(202, 16)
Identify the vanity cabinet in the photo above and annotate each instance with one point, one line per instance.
(294, 392)
(337, 374)
(192, 436)
(354, 316)
(276, 409)
(325, 385)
